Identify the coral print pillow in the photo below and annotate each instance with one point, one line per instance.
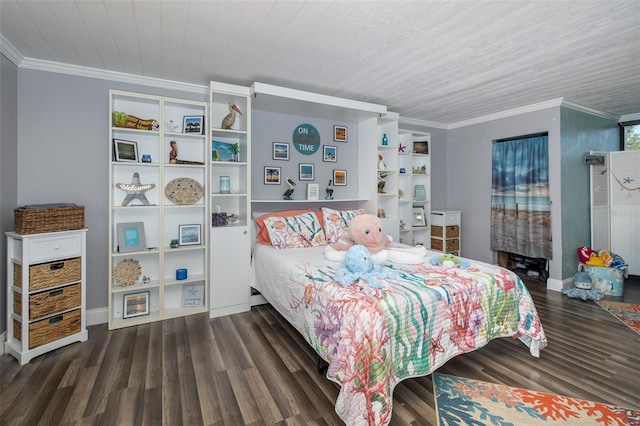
(295, 231)
(336, 221)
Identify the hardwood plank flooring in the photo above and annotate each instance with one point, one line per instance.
(255, 369)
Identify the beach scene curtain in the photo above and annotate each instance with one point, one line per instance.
(520, 205)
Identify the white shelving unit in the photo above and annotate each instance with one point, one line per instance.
(445, 231)
(164, 192)
(231, 240)
(387, 173)
(414, 169)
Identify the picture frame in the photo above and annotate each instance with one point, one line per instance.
(193, 296)
(306, 171)
(329, 154)
(340, 133)
(224, 151)
(281, 151)
(419, 218)
(131, 237)
(125, 151)
(421, 147)
(135, 304)
(189, 235)
(272, 175)
(193, 124)
(419, 193)
(340, 178)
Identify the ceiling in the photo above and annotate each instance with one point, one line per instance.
(438, 61)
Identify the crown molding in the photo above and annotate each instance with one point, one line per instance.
(588, 110)
(423, 123)
(508, 113)
(629, 117)
(80, 71)
(8, 50)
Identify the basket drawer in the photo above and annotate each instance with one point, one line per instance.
(54, 328)
(451, 230)
(436, 244)
(46, 275)
(453, 245)
(58, 300)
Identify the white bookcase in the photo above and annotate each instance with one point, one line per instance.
(414, 171)
(230, 200)
(168, 202)
(387, 173)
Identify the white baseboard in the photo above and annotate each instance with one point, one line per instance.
(3, 338)
(97, 316)
(557, 285)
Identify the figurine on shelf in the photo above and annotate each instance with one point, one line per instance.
(288, 194)
(381, 164)
(382, 176)
(229, 119)
(329, 191)
(173, 155)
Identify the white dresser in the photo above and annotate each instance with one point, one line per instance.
(445, 231)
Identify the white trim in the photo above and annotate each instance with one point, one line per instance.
(588, 110)
(3, 338)
(422, 123)
(629, 117)
(8, 50)
(508, 113)
(557, 285)
(97, 316)
(57, 67)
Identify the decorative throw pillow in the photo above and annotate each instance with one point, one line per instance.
(303, 230)
(263, 233)
(336, 221)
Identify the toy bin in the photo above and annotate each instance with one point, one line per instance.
(608, 281)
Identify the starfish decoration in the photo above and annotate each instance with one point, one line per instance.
(135, 190)
(627, 180)
(401, 147)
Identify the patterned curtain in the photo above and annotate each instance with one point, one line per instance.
(520, 205)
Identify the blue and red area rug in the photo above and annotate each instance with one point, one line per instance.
(462, 401)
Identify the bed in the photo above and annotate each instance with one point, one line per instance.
(374, 338)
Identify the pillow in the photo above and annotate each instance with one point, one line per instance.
(336, 221)
(263, 234)
(303, 230)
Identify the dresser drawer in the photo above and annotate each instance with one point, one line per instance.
(445, 219)
(47, 248)
(50, 274)
(50, 329)
(57, 300)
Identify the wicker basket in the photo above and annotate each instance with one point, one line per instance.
(50, 329)
(38, 219)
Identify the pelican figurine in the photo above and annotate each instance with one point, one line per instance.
(288, 194)
(329, 191)
(227, 122)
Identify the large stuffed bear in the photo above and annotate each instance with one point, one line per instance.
(366, 230)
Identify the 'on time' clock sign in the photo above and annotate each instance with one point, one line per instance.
(306, 139)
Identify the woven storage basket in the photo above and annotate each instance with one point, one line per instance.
(38, 219)
(54, 328)
(57, 300)
(45, 275)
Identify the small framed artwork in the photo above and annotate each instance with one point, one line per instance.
(189, 235)
(418, 217)
(329, 153)
(193, 296)
(339, 133)
(306, 171)
(125, 150)
(193, 124)
(136, 304)
(421, 147)
(131, 237)
(280, 151)
(271, 175)
(340, 177)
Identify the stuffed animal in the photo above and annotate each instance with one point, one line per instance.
(583, 288)
(449, 260)
(358, 265)
(366, 230)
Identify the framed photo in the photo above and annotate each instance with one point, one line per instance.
(306, 171)
(136, 304)
(193, 124)
(189, 235)
(340, 133)
(193, 295)
(280, 151)
(418, 217)
(340, 178)
(329, 153)
(421, 147)
(224, 151)
(131, 237)
(271, 175)
(125, 150)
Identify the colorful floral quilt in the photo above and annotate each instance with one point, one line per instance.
(375, 338)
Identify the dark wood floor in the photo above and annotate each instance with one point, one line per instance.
(254, 369)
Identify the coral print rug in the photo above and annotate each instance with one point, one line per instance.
(462, 401)
(627, 313)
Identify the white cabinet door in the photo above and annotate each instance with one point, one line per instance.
(230, 270)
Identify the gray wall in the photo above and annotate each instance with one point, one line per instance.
(581, 133)
(468, 175)
(8, 166)
(63, 153)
